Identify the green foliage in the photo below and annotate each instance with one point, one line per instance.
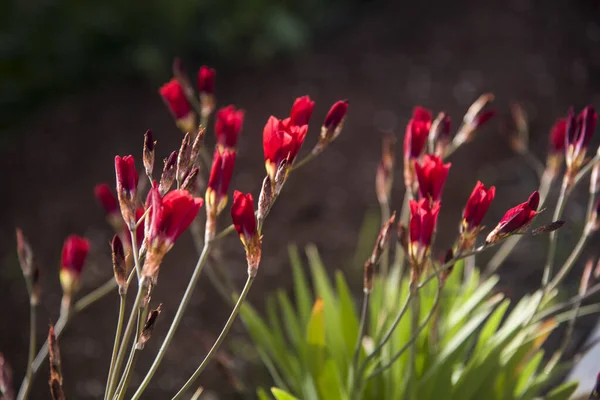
(474, 346)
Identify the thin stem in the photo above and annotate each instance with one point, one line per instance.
(560, 205)
(361, 329)
(32, 344)
(61, 323)
(545, 313)
(404, 216)
(385, 256)
(570, 261)
(534, 162)
(176, 320)
(222, 335)
(590, 206)
(113, 359)
(131, 323)
(309, 157)
(412, 359)
(225, 232)
(124, 384)
(412, 339)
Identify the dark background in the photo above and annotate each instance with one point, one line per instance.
(78, 85)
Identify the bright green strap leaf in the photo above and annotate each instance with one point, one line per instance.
(563, 392)
(526, 375)
(491, 325)
(262, 394)
(330, 387)
(348, 316)
(315, 338)
(462, 311)
(302, 292)
(281, 394)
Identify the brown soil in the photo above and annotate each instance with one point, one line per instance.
(441, 56)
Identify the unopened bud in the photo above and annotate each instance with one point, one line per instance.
(369, 272)
(148, 154)
(332, 126)
(383, 239)
(25, 254)
(402, 233)
(476, 108)
(168, 175)
(265, 200)
(439, 134)
(148, 328)
(385, 170)
(473, 119)
(189, 183)
(184, 158)
(119, 264)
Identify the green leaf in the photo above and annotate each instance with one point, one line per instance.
(302, 293)
(292, 327)
(281, 394)
(315, 338)
(262, 394)
(491, 326)
(328, 382)
(563, 392)
(472, 302)
(348, 317)
(526, 375)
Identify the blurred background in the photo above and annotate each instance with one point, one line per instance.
(78, 85)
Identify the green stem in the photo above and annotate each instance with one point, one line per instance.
(225, 232)
(547, 312)
(412, 359)
(31, 354)
(113, 359)
(570, 261)
(309, 157)
(175, 324)
(222, 335)
(124, 384)
(560, 205)
(361, 330)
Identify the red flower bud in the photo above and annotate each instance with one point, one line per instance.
(332, 126)
(301, 111)
(557, 137)
(477, 206)
(206, 80)
(106, 198)
(168, 218)
(228, 126)
(127, 182)
(174, 97)
(74, 253)
(432, 174)
(423, 219)
(244, 221)
(516, 220)
(218, 182)
(281, 142)
(577, 138)
(416, 134)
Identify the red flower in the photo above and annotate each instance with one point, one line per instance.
(127, 182)
(74, 253)
(423, 219)
(106, 198)
(477, 206)
(170, 216)
(281, 142)
(301, 111)
(557, 136)
(174, 97)
(244, 221)
(431, 174)
(516, 220)
(578, 135)
(206, 80)
(228, 125)
(336, 115)
(416, 134)
(218, 182)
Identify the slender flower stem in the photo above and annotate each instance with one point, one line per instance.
(590, 206)
(414, 328)
(404, 216)
(135, 309)
(560, 206)
(124, 384)
(413, 338)
(32, 344)
(131, 323)
(361, 330)
(305, 160)
(176, 320)
(222, 335)
(569, 303)
(113, 359)
(570, 261)
(225, 232)
(60, 325)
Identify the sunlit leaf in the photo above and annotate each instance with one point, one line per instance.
(281, 394)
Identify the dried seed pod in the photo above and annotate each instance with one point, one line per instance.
(369, 272)
(265, 200)
(25, 254)
(148, 328)
(148, 153)
(190, 180)
(184, 158)
(56, 377)
(119, 264)
(197, 145)
(168, 175)
(383, 239)
(6, 380)
(385, 171)
(280, 177)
